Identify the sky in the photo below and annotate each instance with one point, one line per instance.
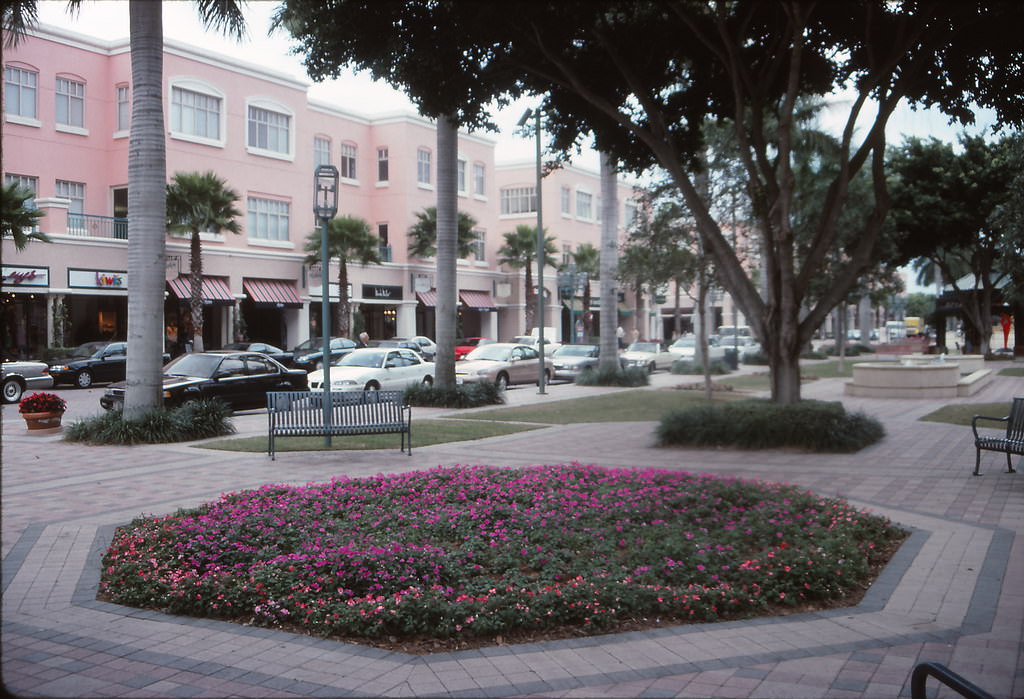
(108, 19)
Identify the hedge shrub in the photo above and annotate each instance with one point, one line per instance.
(615, 376)
(195, 420)
(470, 395)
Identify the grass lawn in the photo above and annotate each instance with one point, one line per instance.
(961, 414)
(1012, 371)
(425, 433)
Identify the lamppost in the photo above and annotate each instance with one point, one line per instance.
(325, 206)
(535, 113)
(569, 282)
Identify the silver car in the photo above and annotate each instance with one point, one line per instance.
(647, 355)
(19, 376)
(501, 363)
(569, 361)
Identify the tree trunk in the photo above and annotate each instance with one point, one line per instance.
(447, 251)
(196, 287)
(344, 312)
(702, 337)
(147, 210)
(531, 298)
(609, 263)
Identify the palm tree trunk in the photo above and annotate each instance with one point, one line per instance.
(344, 312)
(609, 352)
(447, 251)
(196, 272)
(147, 221)
(531, 298)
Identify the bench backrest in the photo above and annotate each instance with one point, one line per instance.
(1015, 425)
(347, 407)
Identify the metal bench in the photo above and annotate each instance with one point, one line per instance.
(301, 414)
(1012, 443)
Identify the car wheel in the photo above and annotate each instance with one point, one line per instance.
(651, 368)
(547, 377)
(13, 389)
(372, 386)
(502, 381)
(428, 380)
(83, 379)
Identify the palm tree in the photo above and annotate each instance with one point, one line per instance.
(518, 252)
(19, 221)
(588, 263)
(147, 180)
(609, 355)
(196, 203)
(423, 233)
(348, 239)
(453, 233)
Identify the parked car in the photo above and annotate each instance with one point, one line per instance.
(647, 355)
(20, 375)
(427, 347)
(685, 349)
(93, 362)
(550, 346)
(467, 344)
(501, 363)
(398, 342)
(240, 379)
(569, 361)
(313, 359)
(283, 356)
(375, 368)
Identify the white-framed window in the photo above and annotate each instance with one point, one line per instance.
(24, 182)
(197, 112)
(20, 91)
(518, 200)
(268, 219)
(479, 245)
(269, 129)
(460, 175)
(382, 164)
(124, 111)
(75, 191)
(566, 253)
(584, 205)
(423, 166)
(70, 103)
(349, 152)
(321, 151)
(479, 179)
(566, 198)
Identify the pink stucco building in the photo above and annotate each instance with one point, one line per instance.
(65, 137)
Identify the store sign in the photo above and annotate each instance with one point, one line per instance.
(26, 276)
(381, 293)
(98, 279)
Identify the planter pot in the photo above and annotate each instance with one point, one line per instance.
(43, 421)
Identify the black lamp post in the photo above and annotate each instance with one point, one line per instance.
(325, 206)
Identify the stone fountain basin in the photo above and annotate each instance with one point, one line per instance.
(914, 378)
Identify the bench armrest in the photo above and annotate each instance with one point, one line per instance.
(974, 421)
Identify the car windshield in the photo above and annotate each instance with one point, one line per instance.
(577, 351)
(342, 343)
(494, 353)
(363, 359)
(309, 344)
(200, 365)
(643, 347)
(685, 342)
(88, 349)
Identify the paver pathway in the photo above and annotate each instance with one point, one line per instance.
(954, 594)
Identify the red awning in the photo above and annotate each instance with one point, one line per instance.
(271, 292)
(478, 300)
(427, 298)
(215, 290)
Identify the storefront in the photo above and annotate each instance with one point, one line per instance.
(477, 314)
(380, 306)
(217, 302)
(96, 305)
(25, 292)
(267, 308)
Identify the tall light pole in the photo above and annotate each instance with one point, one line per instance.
(535, 113)
(325, 206)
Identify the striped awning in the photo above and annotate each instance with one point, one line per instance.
(215, 290)
(477, 300)
(427, 298)
(271, 292)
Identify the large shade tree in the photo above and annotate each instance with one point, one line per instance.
(197, 203)
(644, 76)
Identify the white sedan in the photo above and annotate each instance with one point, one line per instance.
(685, 348)
(374, 368)
(646, 355)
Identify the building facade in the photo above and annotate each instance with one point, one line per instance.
(67, 110)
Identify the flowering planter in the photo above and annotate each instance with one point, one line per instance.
(43, 421)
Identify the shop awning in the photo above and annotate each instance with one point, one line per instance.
(215, 290)
(427, 298)
(477, 300)
(270, 292)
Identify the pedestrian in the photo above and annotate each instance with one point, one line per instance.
(620, 334)
(636, 334)
(364, 339)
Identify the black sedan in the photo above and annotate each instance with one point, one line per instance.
(240, 379)
(93, 362)
(313, 359)
(283, 356)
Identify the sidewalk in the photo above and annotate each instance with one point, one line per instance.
(954, 594)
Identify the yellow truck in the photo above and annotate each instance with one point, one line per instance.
(914, 325)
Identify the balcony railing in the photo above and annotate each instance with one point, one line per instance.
(89, 226)
(385, 253)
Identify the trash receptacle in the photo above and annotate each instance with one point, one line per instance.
(732, 358)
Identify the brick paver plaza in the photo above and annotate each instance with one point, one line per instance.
(954, 593)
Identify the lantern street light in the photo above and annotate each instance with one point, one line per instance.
(325, 206)
(535, 113)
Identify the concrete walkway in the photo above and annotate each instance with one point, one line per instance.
(954, 594)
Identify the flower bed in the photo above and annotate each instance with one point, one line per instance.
(481, 552)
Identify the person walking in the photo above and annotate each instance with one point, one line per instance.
(364, 339)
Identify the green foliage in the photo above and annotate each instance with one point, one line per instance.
(810, 354)
(17, 220)
(759, 358)
(716, 366)
(470, 395)
(962, 413)
(423, 234)
(852, 350)
(756, 424)
(195, 420)
(199, 202)
(614, 376)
